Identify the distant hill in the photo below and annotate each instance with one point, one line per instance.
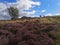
(47, 19)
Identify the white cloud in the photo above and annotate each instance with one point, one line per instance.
(58, 4)
(49, 14)
(29, 13)
(43, 11)
(27, 4)
(58, 14)
(21, 5)
(2, 6)
(3, 12)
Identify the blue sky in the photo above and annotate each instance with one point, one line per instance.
(8, 0)
(51, 7)
(46, 7)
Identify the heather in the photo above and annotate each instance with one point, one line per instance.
(28, 33)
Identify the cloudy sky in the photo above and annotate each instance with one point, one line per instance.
(32, 8)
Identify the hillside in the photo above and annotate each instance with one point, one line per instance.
(32, 31)
(52, 19)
